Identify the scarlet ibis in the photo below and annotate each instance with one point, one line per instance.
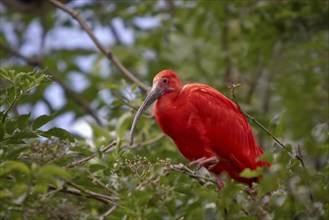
(209, 129)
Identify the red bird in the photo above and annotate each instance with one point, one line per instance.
(209, 129)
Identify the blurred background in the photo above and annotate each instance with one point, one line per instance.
(276, 50)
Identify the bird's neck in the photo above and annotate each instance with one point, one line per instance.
(164, 110)
(166, 102)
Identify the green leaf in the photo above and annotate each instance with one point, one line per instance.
(58, 132)
(41, 120)
(123, 124)
(82, 150)
(20, 191)
(96, 167)
(11, 125)
(248, 173)
(19, 137)
(5, 193)
(111, 86)
(101, 132)
(7, 167)
(23, 121)
(41, 188)
(267, 156)
(6, 74)
(52, 170)
(184, 189)
(171, 206)
(268, 184)
(12, 153)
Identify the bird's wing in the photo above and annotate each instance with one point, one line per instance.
(228, 130)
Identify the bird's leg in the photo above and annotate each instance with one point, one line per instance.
(220, 182)
(204, 161)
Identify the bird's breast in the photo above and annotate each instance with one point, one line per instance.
(185, 129)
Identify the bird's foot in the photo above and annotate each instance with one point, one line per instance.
(206, 161)
(220, 183)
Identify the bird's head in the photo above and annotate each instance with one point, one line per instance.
(164, 82)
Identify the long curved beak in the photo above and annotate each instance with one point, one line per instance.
(153, 95)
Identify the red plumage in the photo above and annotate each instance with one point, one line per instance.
(203, 123)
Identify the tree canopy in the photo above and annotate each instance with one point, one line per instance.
(74, 72)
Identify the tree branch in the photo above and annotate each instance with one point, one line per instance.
(91, 194)
(101, 184)
(108, 212)
(79, 191)
(183, 169)
(85, 159)
(99, 45)
(147, 142)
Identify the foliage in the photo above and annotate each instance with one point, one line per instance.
(276, 50)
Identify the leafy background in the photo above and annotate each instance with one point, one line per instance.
(66, 108)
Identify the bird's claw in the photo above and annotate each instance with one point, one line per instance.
(220, 183)
(205, 161)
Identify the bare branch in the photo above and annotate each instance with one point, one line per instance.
(83, 160)
(79, 191)
(101, 184)
(234, 86)
(91, 194)
(108, 212)
(99, 45)
(181, 168)
(148, 142)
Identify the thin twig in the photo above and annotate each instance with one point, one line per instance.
(99, 45)
(92, 193)
(108, 212)
(100, 183)
(148, 142)
(234, 86)
(152, 141)
(183, 169)
(299, 156)
(126, 102)
(85, 159)
(79, 191)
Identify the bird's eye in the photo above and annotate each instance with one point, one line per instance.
(165, 80)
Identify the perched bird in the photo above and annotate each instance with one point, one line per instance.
(208, 129)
